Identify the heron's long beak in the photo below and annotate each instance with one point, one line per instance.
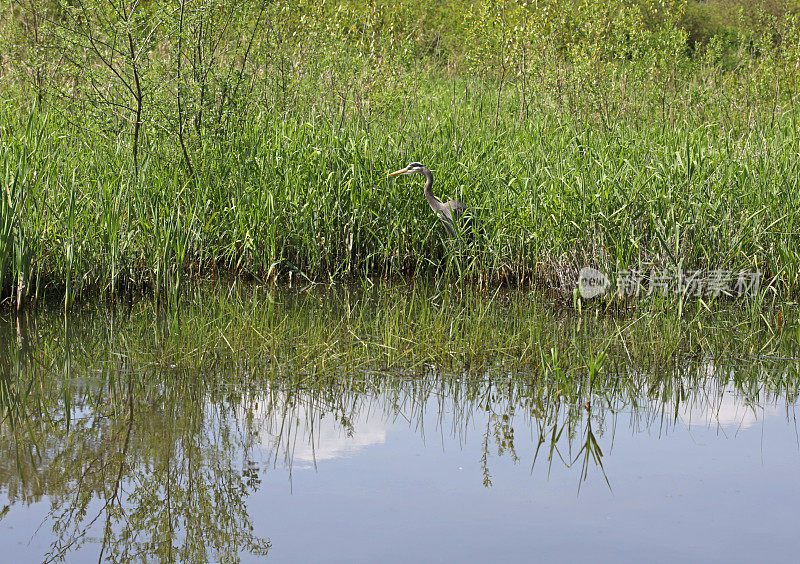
(401, 171)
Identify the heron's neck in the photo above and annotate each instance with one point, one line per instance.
(432, 200)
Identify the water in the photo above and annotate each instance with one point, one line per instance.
(115, 444)
(718, 484)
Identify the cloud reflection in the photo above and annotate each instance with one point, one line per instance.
(304, 437)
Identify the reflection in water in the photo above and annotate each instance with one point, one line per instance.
(140, 470)
(141, 450)
(306, 434)
(729, 411)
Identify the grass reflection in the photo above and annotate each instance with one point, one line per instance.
(145, 430)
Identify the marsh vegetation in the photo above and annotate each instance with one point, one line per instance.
(145, 144)
(230, 160)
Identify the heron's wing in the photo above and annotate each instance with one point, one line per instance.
(458, 209)
(462, 216)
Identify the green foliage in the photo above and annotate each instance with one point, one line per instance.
(173, 139)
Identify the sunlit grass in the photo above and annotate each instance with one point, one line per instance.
(306, 196)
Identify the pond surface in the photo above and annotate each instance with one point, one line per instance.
(128, 434)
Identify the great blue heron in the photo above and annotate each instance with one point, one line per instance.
(455, 215)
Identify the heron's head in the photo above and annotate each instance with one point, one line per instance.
(412, 168)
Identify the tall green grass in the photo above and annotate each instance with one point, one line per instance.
(307, 194)
(254, 139)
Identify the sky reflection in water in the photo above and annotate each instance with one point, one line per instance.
(694, 461)
(720, 483)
